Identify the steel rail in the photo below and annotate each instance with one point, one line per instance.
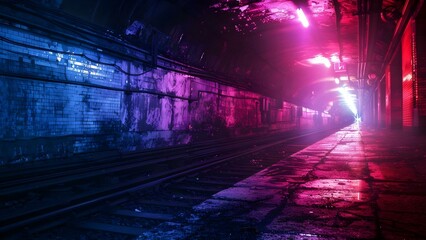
(33, 179)
(132, 186)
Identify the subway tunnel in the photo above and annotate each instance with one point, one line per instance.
(216, 119)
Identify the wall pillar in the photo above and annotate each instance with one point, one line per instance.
(381, 104)
(420, 70)
(394, 92)
(408, 77)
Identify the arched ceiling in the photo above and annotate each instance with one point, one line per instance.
(259, 41)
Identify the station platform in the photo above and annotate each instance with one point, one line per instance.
(357, 183)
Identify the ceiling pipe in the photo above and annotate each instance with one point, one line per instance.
(369, 18)
(362, 23)
(372, 24)
(338, 20)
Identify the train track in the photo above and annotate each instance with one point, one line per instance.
(121, 196)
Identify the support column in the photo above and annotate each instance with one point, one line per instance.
(420, 70)
(381, 104)
(408, 77)
(394, 92)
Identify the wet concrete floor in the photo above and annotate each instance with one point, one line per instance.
(358, 183)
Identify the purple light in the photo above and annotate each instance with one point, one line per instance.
(302, 17)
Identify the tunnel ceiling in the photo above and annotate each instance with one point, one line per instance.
(261, 42)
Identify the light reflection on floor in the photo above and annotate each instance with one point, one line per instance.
(341, 187)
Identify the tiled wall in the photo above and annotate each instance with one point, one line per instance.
(59, 99)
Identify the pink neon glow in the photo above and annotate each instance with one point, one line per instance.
(335, 59)
(302, 17)
(320, 60)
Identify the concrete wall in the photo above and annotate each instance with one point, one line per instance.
(59, 98)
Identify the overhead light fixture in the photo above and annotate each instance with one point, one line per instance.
(302, 17)
(319, 59)
(337, 80)
(334, 59)
(326, 62)
(344, 78)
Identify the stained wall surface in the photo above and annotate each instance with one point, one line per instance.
(60, 97)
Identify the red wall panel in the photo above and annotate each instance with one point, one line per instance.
(407, 77)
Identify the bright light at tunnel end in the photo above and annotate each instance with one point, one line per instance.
(349, 99)
(302, 17)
